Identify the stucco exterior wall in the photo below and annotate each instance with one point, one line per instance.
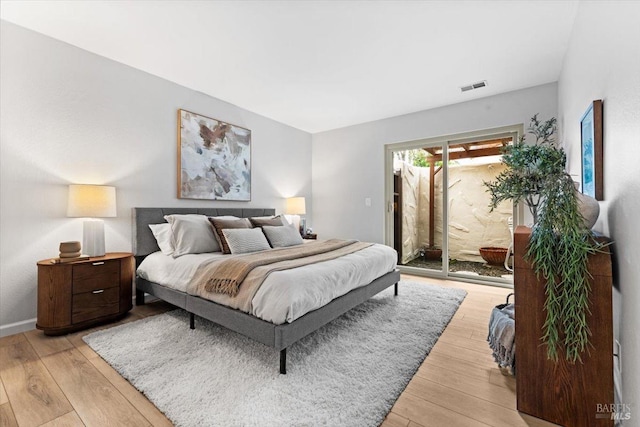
(471, 224)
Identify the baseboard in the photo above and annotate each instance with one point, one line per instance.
(18, 327)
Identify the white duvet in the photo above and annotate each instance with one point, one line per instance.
(284, 295)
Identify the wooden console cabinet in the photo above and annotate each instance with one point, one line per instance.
(80, 294)
(563, 393)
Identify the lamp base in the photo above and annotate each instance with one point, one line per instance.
(93, 237)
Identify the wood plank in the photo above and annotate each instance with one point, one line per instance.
(429, 414)
(35, 396)
(84, 385)
(12, 339)
(394, 420)
(469, 385)
(70, 419)
(137, 399)
(3, 394)
(81, 346)
(471, 344)
(459, 331)
(470, 325)
(7, 419)
(461, 366)
(477, 357)
(472, 317)
(501, 379)
(45, 345)
(479, 336)
(465, 404)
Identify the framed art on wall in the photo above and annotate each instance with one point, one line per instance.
(214, 159)
(592, 151)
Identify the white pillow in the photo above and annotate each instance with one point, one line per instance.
(245, 240)
(163, 235)
(280, 237)
(192, 234)
(226, 217)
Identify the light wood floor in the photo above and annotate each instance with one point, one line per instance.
(60, 381)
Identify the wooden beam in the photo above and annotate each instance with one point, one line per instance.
(482, 152)
(432, 204)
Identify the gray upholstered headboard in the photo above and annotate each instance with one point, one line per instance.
(143, 241)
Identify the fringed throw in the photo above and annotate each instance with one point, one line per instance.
(227, 276)
(502, 332)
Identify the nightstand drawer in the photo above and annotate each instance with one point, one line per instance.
(94, 304)
(95, 275)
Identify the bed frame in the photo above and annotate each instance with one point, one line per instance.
(277, 336)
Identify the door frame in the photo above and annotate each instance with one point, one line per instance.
(443, 141)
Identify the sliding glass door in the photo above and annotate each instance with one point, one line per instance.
(417, 207)
(438, 216)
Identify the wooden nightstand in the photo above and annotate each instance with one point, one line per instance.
(79, 294)
(311, 236)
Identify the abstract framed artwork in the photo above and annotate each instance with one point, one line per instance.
(592, 151)
(214, 159)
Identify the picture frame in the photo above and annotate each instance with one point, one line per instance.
(214, 159)
(592, 151)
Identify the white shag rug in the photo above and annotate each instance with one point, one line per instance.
(348, 373)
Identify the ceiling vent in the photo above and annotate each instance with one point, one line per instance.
(473, 86)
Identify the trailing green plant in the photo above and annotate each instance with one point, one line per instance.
(560, 243)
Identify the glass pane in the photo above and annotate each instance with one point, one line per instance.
(418, 207)
(478, 238)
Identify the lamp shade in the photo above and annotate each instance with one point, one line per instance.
(91, 201)
(296, 206)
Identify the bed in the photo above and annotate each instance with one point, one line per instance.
(277, 334)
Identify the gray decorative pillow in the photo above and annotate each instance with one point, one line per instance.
(191, 234)
(222, 224)
(282, 236)
(245, 240)
(260, 221)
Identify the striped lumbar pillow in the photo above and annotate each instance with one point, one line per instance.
(245, 240)
(282, 236)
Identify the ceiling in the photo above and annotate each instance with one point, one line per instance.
(320, 65)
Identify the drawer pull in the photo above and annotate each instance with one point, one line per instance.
(99, 291)
(98, 263)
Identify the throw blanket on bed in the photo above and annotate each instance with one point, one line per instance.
(226, 276)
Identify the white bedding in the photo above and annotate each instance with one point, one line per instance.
(284, 295)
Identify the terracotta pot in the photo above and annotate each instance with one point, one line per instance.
(432, 254)
(494, 256)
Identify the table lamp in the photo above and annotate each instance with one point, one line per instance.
(92, 202)
(296, 206)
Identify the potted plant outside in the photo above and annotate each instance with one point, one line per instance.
(431, 253)
(560, 243)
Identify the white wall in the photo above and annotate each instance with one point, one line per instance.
(348, 163)
(603, 62)
(69, 116)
